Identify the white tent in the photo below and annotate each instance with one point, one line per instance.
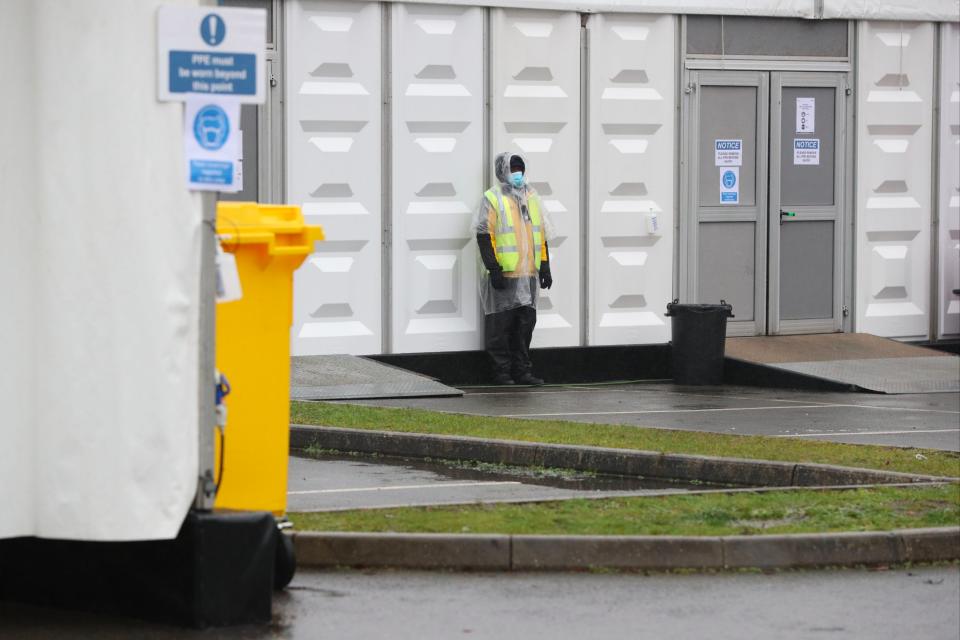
(100, 267)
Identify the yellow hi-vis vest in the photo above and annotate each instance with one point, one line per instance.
(506, 235)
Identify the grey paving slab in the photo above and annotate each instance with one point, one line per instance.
(938, 374)
(352, 483)
(335, 377)
(400, 605)
(908, 420)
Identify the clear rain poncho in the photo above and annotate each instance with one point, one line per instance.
(522, 286)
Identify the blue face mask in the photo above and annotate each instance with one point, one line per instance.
(516, 179)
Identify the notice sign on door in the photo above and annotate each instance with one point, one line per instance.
(806, 114)
(730, 185)
(806, 151)
(728, 153)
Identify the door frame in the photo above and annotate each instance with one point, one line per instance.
(690, 181)
(688, 128)
(837, 212)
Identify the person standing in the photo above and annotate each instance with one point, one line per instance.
(511, 235)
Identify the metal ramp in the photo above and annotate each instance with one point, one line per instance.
(856, 361)
(343, 377)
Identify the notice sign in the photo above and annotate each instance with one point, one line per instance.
(211, 144)
(806, 151)
(806, 115)
(730, 186)
(728, 153)
(211, 51)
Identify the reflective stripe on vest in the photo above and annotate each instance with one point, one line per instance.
(505, 236)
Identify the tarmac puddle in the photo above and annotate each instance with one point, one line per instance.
(463, 470)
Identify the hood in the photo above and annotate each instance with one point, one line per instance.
(501, 169)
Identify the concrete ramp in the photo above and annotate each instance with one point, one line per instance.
(343, 377)
(856, 361)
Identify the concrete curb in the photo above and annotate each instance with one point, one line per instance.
(625, 462)
(409, 551)
(577, 553)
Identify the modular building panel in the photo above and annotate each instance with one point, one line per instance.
(535, 100)
(631, 167)
(438, 128)
(949, 193)
(333, 147)
(894, 105)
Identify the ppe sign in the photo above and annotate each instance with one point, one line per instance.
(728, 153)
(211, 58)
(730, 186)
(214, 51)
(211, 143)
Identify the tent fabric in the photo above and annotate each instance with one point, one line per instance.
(99, 338)
(928, 10)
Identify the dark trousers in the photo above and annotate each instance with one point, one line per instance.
(507, 337)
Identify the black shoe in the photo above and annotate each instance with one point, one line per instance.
(502, 378)
(529, 379)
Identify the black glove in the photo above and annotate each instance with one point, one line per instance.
(497, 279)
(546, 280)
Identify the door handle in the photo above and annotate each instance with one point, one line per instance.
(787, 214)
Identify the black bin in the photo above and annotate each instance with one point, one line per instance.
(699, 332)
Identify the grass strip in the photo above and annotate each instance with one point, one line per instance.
(929, 461)
(873, 509)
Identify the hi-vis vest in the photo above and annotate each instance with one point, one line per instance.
(506, 235)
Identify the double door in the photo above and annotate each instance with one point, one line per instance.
(766, 196)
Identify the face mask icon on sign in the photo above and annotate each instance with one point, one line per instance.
(211, 127)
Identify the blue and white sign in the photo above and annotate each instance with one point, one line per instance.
(728, 153)
(806, 151)
(212, 145)
(211, 127)
(211, 51)
(730, 185)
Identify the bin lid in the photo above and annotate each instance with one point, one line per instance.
(280, 227)
(676, 307)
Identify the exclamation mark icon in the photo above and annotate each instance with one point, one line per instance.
(212, 29)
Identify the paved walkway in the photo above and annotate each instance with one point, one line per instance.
(929, 420)
(336, 483)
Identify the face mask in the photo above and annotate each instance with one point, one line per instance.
(516, 179)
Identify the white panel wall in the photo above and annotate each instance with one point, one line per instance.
(894, 178)
(438, 102)
(949, 179)
(334, 171)
(536, 110)
(632, 167)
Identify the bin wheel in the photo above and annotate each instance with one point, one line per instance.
(284, 561)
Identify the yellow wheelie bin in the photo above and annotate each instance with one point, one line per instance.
(269, 242)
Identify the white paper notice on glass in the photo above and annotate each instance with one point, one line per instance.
(730, 185)
(210, 144)
(728, 153)
(806, 151)
(806, 115)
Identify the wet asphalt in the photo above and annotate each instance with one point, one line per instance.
(922, 602)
